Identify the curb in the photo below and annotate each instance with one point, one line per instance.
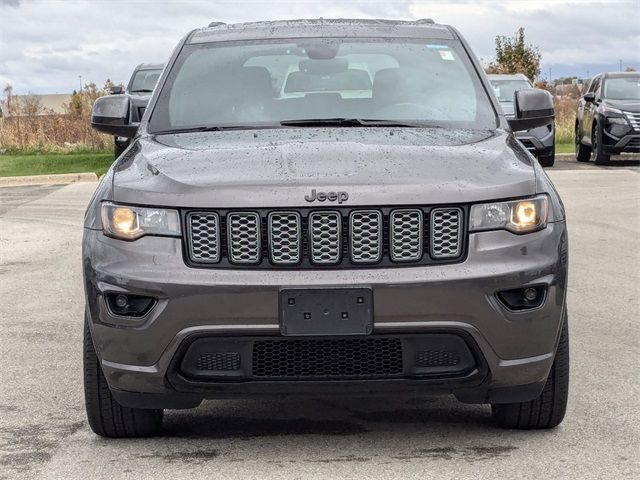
(59, 179)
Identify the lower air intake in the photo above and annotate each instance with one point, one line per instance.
(328, 358)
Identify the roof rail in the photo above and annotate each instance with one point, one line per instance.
(216, 24)
(425, 20)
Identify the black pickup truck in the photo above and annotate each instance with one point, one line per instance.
(140, 87)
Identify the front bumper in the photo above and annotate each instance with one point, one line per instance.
(539, 141)
(514, 350)
(629, 143)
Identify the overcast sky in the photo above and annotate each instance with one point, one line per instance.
(45, 45)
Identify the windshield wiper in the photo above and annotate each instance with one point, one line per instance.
(144, 90)
(217, 128)
(348, 122)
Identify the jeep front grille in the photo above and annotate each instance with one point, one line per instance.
(342, 237)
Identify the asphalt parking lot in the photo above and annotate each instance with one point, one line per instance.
(44, 433)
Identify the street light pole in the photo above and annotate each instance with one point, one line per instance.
(80, 78)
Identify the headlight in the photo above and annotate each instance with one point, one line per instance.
(617, 120)
(128, 223)
(517, 216)
(606, 109)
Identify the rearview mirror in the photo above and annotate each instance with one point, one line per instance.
(116, 90)
(110, 114)
(589, 97)
(532, 108)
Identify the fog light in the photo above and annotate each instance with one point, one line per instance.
(121, 301)
(129, 305)
(523, 298)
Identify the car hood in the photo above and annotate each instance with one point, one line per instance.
(626, 105)
(276, 168)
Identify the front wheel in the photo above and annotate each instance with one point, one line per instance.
(106, 416)
(583, 152)
(546, 411)
(599, 156)
(547, 160)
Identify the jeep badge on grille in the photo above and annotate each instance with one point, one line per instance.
(330, 196)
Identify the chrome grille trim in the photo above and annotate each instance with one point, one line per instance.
(285, 238)
(634, 119)
(325, 237)
(365, 233)
(204, 237)
(244, 237)
(406, 235)
(446, 232)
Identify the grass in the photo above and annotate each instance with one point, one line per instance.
(565, 148)
(49, 163)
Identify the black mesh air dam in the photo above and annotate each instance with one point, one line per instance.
(322, 358)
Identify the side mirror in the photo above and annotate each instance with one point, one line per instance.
(589, 97)
(532, 108)
(110, 114)
(116, 90)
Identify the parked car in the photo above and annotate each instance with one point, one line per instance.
(254, 242)
(139, 89)
(608, 117)
(540, 141)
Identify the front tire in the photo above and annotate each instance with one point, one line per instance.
(583, 152)
(549, 408)
(118, 149)
(599, 157)
(547, 160)
(106, 416)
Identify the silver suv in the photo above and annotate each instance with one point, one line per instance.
(540, 141)
(324, 208)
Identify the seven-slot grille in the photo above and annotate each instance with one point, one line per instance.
(325, 238)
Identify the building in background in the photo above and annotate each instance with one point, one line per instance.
(28, 105)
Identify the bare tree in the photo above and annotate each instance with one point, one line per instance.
(31, 105)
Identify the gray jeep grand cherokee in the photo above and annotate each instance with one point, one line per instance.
(324, 208)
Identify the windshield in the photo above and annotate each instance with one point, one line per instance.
(505, 89)
(627, 88)
(144, 81)
(241, 84)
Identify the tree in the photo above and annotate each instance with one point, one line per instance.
(31, 105)
(9, 107)
(74, 107)
(629, 69)
(513, 55)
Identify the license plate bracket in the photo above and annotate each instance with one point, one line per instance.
(326, 311)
